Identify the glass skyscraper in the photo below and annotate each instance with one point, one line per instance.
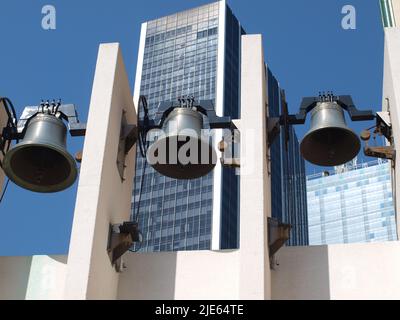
(288, 178)
(352, 204)
(197, 53)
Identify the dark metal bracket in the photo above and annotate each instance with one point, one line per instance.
(278, 234)
(386, 152)
(76, 128)
(274, 128)
(384, 125)
(384, 128)
(66, 112)
(346, 102)
(127, 139)
(205, 107)
(121, 237)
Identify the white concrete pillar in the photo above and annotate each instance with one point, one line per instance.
(3, 121)
(391, 102)
(255, 181)
(46, 278)
(103, 198)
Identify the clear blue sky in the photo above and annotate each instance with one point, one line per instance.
(305, 47)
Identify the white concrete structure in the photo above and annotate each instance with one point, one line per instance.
(14, 277)
(391, 99)
(198, 275)
(342, 271)
(237, 274)
(350, 271)
(255, 207)
(103, 198)
(219, 106)
(47, 278)
(32, 278)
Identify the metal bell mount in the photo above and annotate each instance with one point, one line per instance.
(329, 142)
(182, 124)
(40, 162)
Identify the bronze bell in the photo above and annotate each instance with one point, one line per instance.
(329, 142)
(182, 137)
(41, 162)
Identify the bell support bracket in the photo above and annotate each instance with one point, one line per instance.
(383, 128)
(15, 129)
(386, 152)
(384, 125)
(64, 111)
(127, 139)
(278, 234)
(121, 237)
(346, 102)
(205, 107)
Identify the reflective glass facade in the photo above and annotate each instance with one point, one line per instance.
(354, 204)
(180, 58)
(288, 178)
(230, 180)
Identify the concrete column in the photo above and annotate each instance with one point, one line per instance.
(255, 181)
(46, 278)
(3, 121)
(103, 198)
(391, 102)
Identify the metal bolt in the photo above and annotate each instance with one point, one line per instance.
(365, 135)
(78, 156)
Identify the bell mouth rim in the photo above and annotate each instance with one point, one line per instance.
(330, 163)
(208, 167)
(38, 189)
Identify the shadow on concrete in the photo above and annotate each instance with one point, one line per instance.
(60, 258)
(301, 273)
(148, 276)
(14, 277)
